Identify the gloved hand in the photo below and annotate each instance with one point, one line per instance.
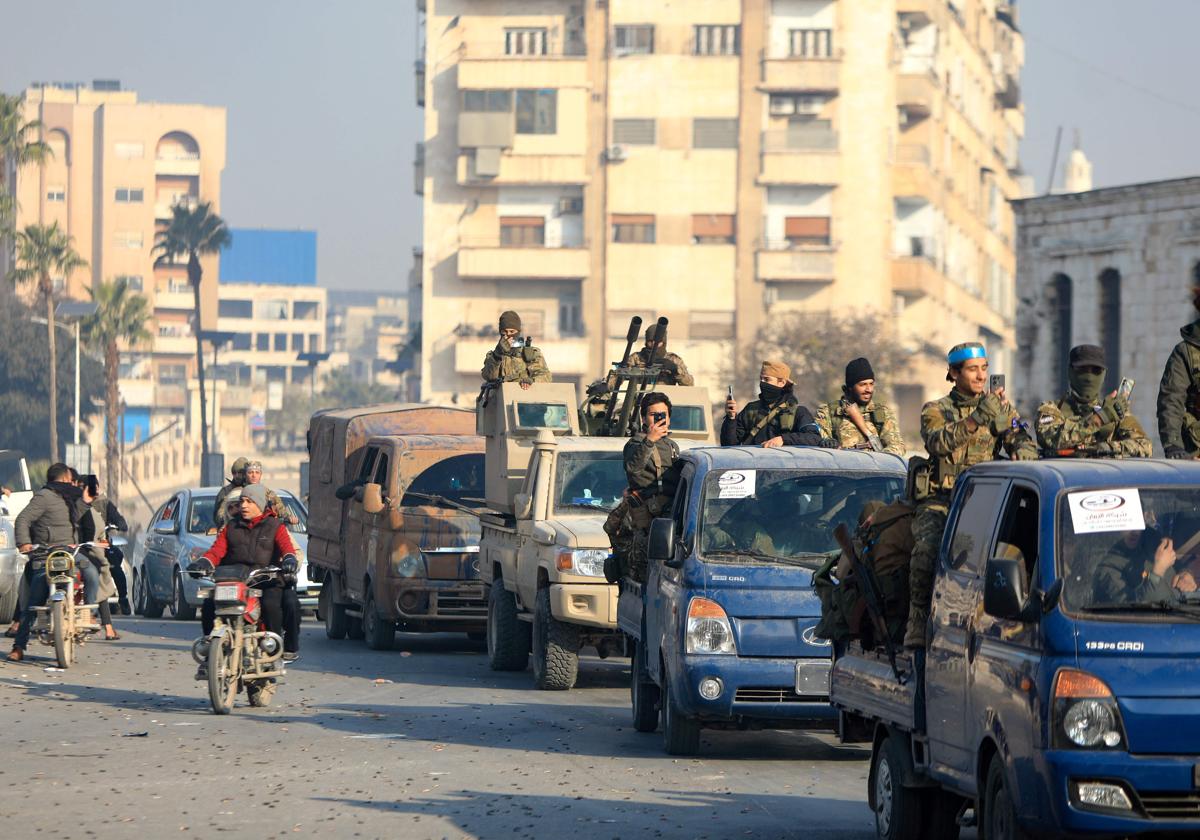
(290, 564)
(988, 410)
(1003, 423)
(1106, 449)
(1114, 408)
(201, 568)
(1178, 454)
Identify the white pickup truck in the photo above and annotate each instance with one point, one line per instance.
(15, 495)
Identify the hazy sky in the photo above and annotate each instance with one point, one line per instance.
(323, 118)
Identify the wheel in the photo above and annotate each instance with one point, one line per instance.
(8, 603)
(999, 818)
(681, 734)
(224, 663)
(508, 638)
(354, 627)
(62, 638)
(379, 633)
(150, 607)
(555, 648)
(180, 608)
(260, 693)
(643, 692)
(335, 614)
(897, 808)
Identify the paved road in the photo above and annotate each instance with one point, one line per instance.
(421, 742)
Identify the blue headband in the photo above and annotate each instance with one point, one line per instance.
(974, 351)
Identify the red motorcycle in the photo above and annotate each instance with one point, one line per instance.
(240, 652)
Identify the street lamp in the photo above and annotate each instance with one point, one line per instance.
(76, 310)
(218, 339)
(312, 359)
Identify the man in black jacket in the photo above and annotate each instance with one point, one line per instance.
(776, 418)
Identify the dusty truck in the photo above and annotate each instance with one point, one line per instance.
(549, 490)
(387, 537)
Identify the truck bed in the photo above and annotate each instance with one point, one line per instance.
(629, 607)
(862, 682)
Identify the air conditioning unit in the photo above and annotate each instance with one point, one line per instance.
(570, 206)
(782, 106)
(809, 104)
(614, 153)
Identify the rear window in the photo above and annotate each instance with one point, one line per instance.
(457, 478)
(535, 415)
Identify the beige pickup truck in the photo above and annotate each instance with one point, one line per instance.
(542, 548)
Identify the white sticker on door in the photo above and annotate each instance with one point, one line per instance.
(1096, 511)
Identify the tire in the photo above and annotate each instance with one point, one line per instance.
(379, 633)
(354, 627)
(897, 808)
(939, 815)
(260, 693)
(8, 603)
(643, 693)
(223, 667)
(999, 818)
(555, 648)
(681, 734)
(508, 638)
(151, 606)
(334, 614)
(62, 639)
(180, 608)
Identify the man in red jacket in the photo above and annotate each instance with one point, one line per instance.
(255, 539)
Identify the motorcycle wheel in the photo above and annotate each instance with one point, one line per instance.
(259, 693)
(62, 639)
(223, 666)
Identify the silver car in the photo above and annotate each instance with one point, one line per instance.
(181, 531)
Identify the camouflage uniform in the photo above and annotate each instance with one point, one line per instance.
(952, 448)
(672, 369)
(1179, 397)
(1067, 427)
(505, 364)
(880, 420)
(652, 485)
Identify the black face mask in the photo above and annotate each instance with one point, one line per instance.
(769, 393)
(1086, 385)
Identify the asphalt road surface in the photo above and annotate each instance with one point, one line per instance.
(421, 742)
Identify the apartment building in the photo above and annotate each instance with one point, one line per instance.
(717, 162)
(367, 330)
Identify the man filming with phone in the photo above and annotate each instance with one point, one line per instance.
(514, 358)
(649, 456)
(1083, 424)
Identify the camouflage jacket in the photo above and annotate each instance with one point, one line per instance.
(672, 369)
(1067, 427)
(1178, 393)
(953, 446)
(505, 364)
(879, 419)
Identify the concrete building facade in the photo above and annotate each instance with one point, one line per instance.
(718, 162)
(1113, 267)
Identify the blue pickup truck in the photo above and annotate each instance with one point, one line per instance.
(1059, 694)
(722, 631)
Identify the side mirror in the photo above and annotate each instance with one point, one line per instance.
(166, 526)
(372, 498)
(660, 545)
(1004, 591)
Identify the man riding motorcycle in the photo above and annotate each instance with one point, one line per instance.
(256, 538)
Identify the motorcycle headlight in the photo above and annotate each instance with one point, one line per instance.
(708, 629)
(1085, 713)
(407, 565)
(588, 562)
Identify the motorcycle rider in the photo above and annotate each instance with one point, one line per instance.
(255, 539)
(48, 519)
(93, 527)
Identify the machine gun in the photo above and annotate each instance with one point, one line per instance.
(870, 593)
(618, 395)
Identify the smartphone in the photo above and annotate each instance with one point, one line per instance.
(658, 417)
(729, 393)
(1125, 388)
(996, 382)
(519, 342)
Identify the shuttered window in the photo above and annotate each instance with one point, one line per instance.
(708, 133)
(806, 230)
(722, 39)
(522, 231)
(711, 324)
(713, 229)
(525, 41)
(811, 43)
(633, 228)
(633, 40)
(634, 132)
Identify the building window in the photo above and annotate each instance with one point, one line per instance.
(537, 111)
(524, 41)
(56, 194)
(570, 317)
(298, 342)
(262, 341)
(306, 310)
(314, 343)
(1110, 326)
(131, 239)
(271, 310)
(58, 284)
(281, 341)
(1059, 294)
(810, 43)
(634, 132)
(172, 374)
(129, 195)
(633, 40)
(713, 325)
(713, 229)
(806, 230)
(723, 39)
(129, 150)
(241, 341)
(714, 133)
(235, 309)
(133, 282)
(487, 101)
(522, 231)
(631, 228)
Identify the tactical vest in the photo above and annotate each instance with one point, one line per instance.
(251, 545)
(946, 471)
(785, 412)
(875, 415)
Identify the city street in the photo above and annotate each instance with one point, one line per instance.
(421, 742)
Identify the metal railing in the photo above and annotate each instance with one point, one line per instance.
(793, 140)
(494, 241)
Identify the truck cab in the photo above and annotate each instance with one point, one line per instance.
(1059, 693)
(723, 629)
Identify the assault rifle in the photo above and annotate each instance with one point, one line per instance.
(866, 583)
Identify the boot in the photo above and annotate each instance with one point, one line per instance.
(914, 633)
(16, 655)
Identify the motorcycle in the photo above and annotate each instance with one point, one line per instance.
(240, 652)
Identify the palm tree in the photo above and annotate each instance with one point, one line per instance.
(191, 232)
(120, 318)
(43, 251)
(15, 147)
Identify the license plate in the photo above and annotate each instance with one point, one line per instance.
(812, 678)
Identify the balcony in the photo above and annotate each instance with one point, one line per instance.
(136, 392)
(170, 396)
(913, 174)
(916, 92)
(801, 74)
(526, 169)
(486, 259)
(915, 277)
(567, 356)
(181, 299)
(420, 81)
(776, 261)
(920, 12)
(177, 164)
(479, 71)
(179, 345)
(419, 169)
(800, 157)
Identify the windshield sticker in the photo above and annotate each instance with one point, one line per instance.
(736, 484)
(1097, 511)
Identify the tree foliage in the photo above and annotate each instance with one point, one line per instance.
(19, 146)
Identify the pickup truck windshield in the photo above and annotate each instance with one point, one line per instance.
(785, 513)
(11, 474)
(586, 480)
(1130, 550)
(456, 478)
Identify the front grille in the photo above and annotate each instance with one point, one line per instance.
(468, 603)
(1172, 805)
(774, 694)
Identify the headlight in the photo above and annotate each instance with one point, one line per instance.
(407, 565)
(1085, 713)
(588, 562)
(708, 629)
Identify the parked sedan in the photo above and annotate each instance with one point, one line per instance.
(179, 532)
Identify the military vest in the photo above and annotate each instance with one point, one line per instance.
(876, 415)
(785, 412)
